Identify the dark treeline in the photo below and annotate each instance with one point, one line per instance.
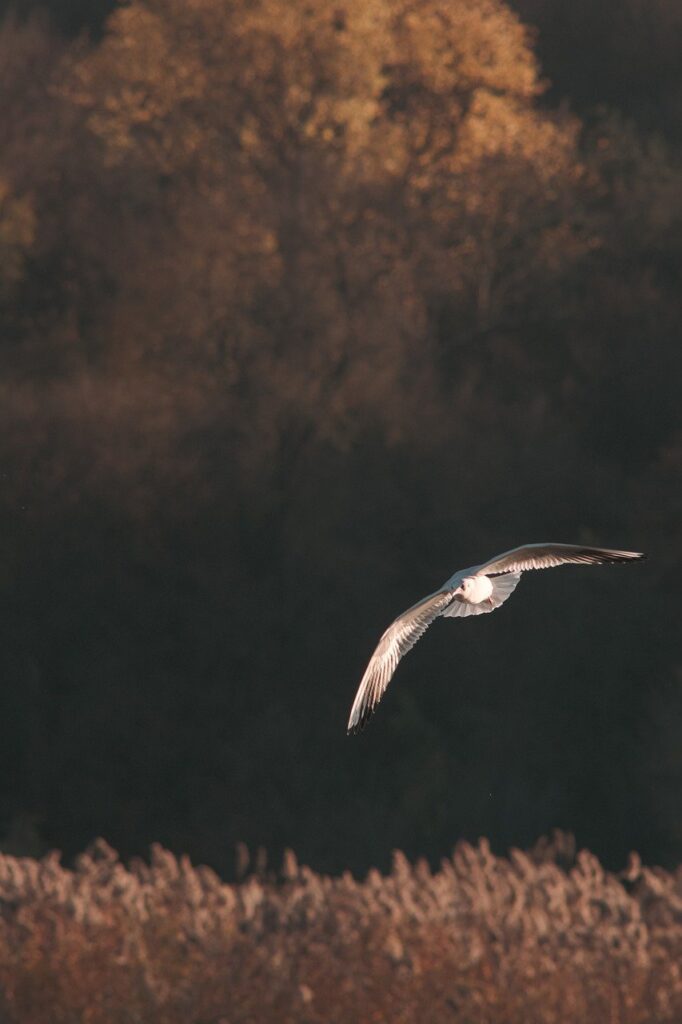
(303, 308)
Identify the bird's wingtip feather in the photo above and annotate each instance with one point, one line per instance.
(359, 719)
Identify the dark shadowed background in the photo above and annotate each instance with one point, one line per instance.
(303, 307)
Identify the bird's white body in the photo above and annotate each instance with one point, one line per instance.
(473, 591)
(476, 589)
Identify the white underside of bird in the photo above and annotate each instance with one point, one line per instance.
(473, 591)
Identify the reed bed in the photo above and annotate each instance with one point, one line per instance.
(546, 936)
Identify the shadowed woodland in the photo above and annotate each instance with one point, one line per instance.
(304, 307)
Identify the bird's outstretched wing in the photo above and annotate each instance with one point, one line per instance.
(398, 639)
(544, 556)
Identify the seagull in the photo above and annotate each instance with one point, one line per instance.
(482, 588)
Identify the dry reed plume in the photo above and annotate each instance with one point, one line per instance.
(543, 936)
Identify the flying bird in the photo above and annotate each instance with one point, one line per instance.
(473, 591)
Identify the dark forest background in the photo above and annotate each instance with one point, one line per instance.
(303, 307)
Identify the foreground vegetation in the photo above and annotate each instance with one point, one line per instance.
(542, 936)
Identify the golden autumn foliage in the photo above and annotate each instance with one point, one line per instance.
(310, 169)
(271, 75)
(17, 231)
